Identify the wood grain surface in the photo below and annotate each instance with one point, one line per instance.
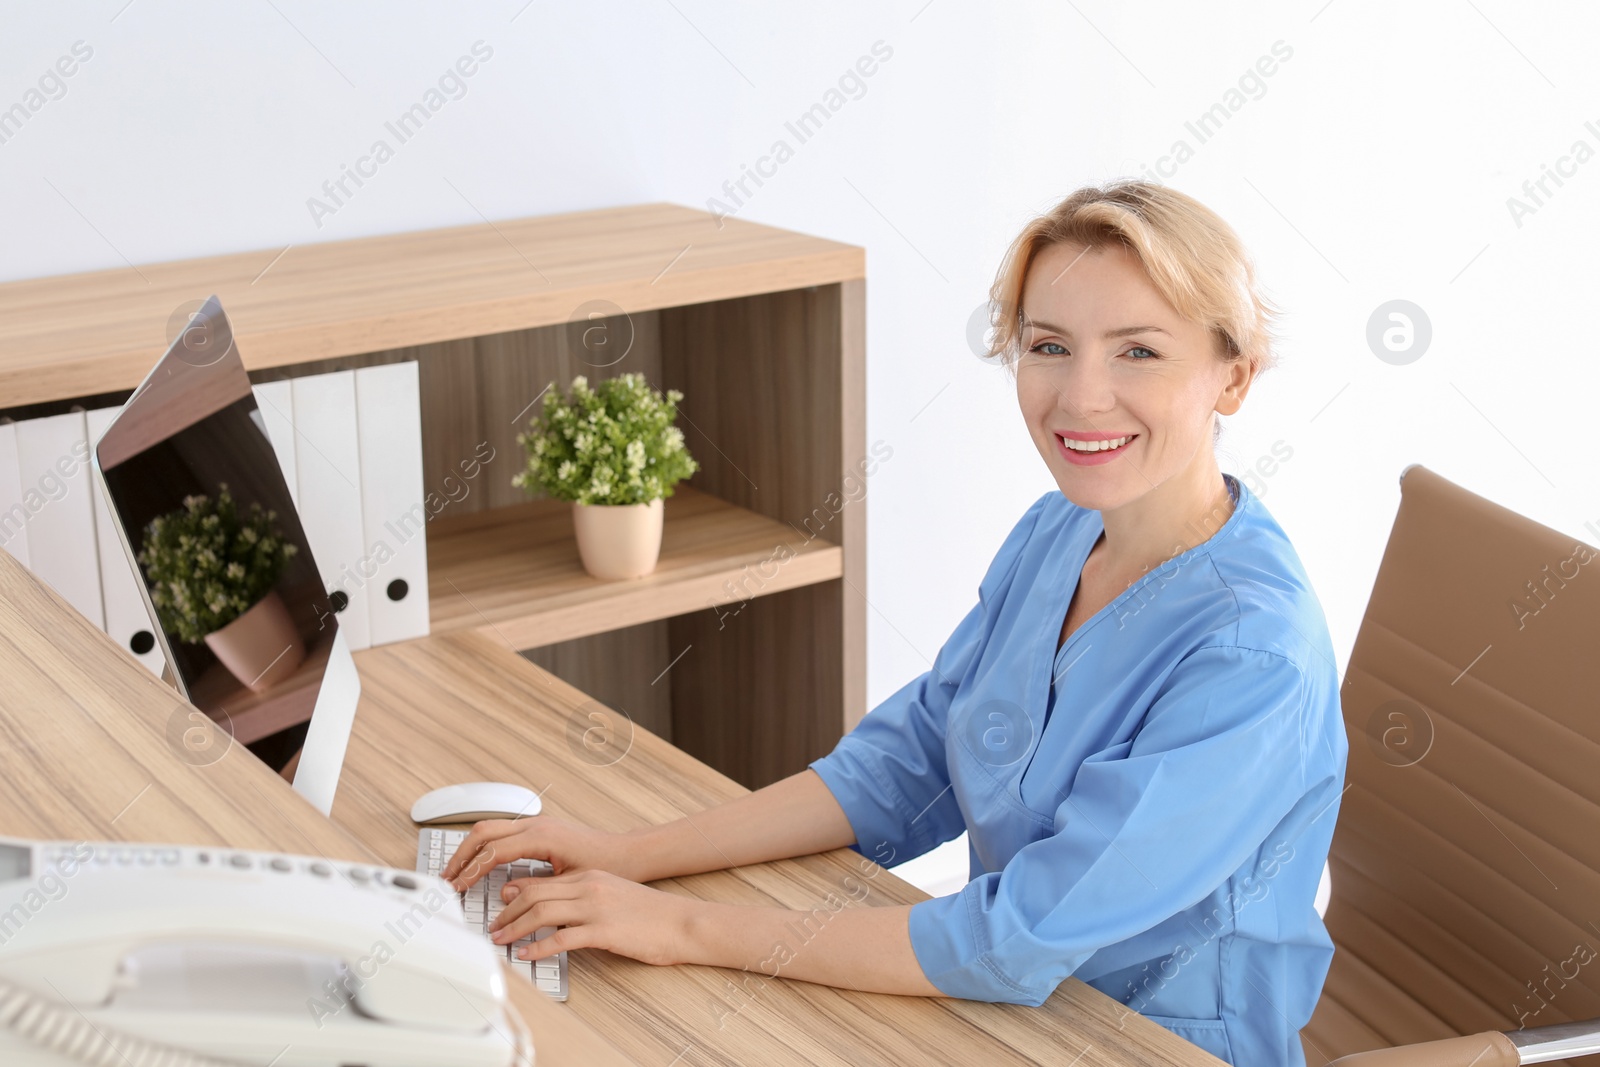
(464, 707)
(514, 571)
(99, 332)
(92, 749)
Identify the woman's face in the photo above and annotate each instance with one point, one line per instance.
(1105, 359)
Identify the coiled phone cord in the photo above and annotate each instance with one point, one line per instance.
(57, 1028)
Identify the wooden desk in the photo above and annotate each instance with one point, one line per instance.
(464, 707)
(86, 754)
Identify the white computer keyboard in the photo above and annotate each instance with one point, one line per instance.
(482, 905)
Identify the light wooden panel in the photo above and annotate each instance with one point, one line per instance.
(91, 749)
(514, 572)
(461, 707)
(92, 333)
(859, 459)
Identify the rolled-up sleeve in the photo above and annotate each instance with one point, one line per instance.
(1148, 830)
(890, 774)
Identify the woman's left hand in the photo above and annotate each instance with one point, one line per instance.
(596, 909)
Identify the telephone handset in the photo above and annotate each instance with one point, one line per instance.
(242, 957)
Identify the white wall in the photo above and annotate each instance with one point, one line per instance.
(1374, 164)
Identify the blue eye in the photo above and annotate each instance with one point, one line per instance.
(1141, 348)
(1048, 344)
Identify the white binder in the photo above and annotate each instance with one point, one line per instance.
(13, 507)
(327, 460)
(53, 460)
(275, 401)
(127, 620)
(389, 421)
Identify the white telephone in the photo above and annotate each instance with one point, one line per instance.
(136, 955)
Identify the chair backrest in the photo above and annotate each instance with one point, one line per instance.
(1466, 860)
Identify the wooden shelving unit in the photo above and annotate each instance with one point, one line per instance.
(756, 604)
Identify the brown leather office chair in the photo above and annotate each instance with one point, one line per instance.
(1466, 860)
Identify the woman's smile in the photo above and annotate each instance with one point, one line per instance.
(1092, 450)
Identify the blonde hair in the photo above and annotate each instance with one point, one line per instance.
(1193, 258)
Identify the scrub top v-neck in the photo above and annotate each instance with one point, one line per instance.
(1073, 566)
(1161, 834)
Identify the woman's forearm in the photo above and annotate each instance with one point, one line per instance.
(793, 817)
(849, 947)
(836, 944)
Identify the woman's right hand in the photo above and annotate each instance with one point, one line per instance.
(564, 845)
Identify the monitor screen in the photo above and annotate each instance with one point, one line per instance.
(204, 510)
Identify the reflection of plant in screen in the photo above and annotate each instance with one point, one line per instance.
(207, 564)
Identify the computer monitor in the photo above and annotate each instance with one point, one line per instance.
(204, 512)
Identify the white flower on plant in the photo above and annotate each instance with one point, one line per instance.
(592, 445)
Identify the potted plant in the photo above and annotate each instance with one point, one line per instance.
(613, 451)
(212, 575)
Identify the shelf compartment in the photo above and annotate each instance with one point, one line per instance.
(513, 572)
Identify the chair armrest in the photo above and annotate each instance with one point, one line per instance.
(1490, 1049)
(1538, 1044)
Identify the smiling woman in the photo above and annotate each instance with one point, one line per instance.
(1196, 763)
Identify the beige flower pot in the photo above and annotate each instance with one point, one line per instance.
(260, 647)
(618, 540)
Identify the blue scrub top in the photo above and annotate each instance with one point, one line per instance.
(1149, 808)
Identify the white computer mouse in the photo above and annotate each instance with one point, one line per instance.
(472, 801)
